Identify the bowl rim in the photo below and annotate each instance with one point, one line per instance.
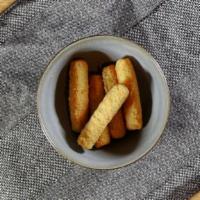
(120, 39)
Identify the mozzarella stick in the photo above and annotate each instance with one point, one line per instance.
(102, 116)
(116, 126)
(132, 107)
(96, 94)
(78, 94)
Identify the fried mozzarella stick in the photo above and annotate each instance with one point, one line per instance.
(78, 94)
(132, 107)
(102, 116)
(116, 126)
(96, 94)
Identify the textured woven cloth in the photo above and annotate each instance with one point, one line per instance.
(31, 32)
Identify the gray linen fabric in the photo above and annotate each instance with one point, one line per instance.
(32, 32)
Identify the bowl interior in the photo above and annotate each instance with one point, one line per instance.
(53, 102)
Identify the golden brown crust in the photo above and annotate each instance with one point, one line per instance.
(102, 116)
(104, 139)
(132, 107)
(78, 94)
(109, 77)
(96, 94)
(116, 126)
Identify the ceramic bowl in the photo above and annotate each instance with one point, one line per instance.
(52, 102)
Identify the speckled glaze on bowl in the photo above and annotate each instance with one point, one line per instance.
(52, 102)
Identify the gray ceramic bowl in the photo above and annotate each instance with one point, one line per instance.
(53, 105)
